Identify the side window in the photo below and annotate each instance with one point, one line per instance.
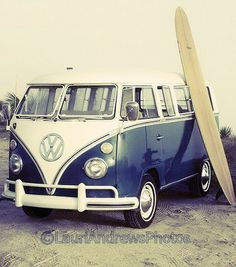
(147, 106)
(144, 97)
(166, 101)
(127, 96)
(183, 99)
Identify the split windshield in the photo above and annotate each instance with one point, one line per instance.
(77, 101)
(89, 102)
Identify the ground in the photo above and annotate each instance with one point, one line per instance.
(186, 232)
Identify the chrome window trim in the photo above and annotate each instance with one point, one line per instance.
(133, 86)
(20, 115)
(92, 117)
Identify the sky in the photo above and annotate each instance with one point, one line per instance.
(46, 36)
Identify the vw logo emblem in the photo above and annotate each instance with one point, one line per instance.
(51, 147)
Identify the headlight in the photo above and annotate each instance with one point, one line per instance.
(16, 163)
(95, 168)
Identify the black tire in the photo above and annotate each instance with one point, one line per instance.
(142, 218)
(200, 185)
(36, 212)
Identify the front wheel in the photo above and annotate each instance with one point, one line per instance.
(144, 215)
(200, 185)
(36, 212)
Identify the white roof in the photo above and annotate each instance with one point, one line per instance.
(129, 77)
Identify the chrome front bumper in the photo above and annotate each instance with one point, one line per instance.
(80, 203)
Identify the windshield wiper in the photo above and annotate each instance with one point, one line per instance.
(20, 116)
(65, 117)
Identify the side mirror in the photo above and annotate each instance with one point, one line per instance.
(6, 111)
(132, 111)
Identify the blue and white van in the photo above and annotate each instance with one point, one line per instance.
(93, 141)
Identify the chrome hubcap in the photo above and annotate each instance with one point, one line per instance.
(147, 201)
(205, 176)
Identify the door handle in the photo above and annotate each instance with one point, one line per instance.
(159, 137)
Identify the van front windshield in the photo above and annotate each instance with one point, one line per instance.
(89, 102)
(40, 101)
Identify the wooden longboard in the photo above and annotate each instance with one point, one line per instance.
(202, 106)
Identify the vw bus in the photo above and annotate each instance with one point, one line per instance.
(93, 141)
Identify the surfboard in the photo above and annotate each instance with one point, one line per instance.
(202, 106)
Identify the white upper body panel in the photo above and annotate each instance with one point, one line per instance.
(129, 77)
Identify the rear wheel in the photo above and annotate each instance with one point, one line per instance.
(36, 212)
(144, 215)
(200, 185)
